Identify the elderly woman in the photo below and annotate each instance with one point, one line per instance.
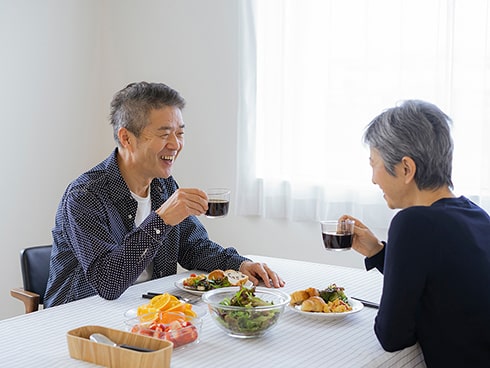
(436, 262)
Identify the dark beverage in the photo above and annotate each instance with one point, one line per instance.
(335, 241)
(217, 208)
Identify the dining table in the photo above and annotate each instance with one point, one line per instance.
(298, 340)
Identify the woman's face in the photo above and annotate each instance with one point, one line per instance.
(396, 192)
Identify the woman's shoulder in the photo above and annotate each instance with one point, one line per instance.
(445, 210)
(419, 217)
(415, 212)
(442, 205)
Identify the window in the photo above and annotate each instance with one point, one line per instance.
(315, 72)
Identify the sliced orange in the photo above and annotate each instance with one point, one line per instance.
(167, 318)
(165, 303)
(146, 314)
(160, 301)
(189, 311)
(145, 309)
(176, 308)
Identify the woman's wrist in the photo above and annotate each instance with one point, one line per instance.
(378, 248)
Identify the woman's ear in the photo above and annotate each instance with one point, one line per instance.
(409, 168)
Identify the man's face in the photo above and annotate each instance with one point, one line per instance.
(160, 143)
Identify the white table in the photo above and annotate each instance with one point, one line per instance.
(39, 339)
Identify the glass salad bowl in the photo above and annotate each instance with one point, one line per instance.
(247, 312)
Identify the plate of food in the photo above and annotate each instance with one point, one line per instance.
(199, 284)
(328, 303)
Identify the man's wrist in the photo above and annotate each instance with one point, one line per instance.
(241, 265)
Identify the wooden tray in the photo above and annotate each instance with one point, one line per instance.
(80, 347)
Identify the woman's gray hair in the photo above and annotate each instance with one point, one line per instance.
(419, 130)
(130, 107)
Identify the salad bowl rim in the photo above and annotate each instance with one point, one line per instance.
(233, 290)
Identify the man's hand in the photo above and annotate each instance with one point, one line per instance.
(182, 204)
(260, 271)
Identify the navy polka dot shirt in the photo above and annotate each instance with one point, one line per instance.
(97, 249)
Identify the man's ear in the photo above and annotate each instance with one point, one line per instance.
(409, 168)
(125, 138)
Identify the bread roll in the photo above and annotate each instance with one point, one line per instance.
(313, 304)
(236, 278)
(298, 297)
(312, 292)
(216, 275)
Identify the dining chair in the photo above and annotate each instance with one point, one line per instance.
(34, 265)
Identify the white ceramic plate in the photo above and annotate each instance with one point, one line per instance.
(180, 285)
(356, 307)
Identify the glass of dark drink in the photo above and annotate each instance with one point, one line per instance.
(218, 202)
(337, 235)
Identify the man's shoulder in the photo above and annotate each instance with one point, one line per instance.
(103, 175)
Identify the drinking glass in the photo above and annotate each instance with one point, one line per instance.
(218, 202)
(337, 235)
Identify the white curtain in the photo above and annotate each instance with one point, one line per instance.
(315, 72)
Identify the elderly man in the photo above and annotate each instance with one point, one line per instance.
(126, 220)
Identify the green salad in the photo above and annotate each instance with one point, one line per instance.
(205, 284)
(333, 292)
(250, 320)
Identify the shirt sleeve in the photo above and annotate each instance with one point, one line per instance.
(407, 263)
(376, 261)
(197, 251)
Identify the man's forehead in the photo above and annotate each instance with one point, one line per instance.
(166, 118)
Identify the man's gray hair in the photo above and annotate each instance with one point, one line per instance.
(130, 107)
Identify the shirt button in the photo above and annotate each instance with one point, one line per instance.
(130, 216)
(157, 231)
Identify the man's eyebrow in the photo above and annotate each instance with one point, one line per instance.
(166, 127)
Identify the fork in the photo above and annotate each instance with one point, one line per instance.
(190, 300)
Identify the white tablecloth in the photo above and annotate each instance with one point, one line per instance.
(39, 339)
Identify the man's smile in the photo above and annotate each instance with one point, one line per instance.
(168, 158)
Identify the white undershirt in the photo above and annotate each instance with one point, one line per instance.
(142, 212)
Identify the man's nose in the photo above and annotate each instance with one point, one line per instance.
(173, 142)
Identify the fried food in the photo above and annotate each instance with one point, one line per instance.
(313, 304)
(298, 297)
(337, 306)
(313, 291)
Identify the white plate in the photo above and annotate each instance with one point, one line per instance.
(356, 307)
(180, 285)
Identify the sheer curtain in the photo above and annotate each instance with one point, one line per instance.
(315, 72)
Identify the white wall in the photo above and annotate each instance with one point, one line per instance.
(60, 63)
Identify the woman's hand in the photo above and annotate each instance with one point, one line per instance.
(364, 242)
